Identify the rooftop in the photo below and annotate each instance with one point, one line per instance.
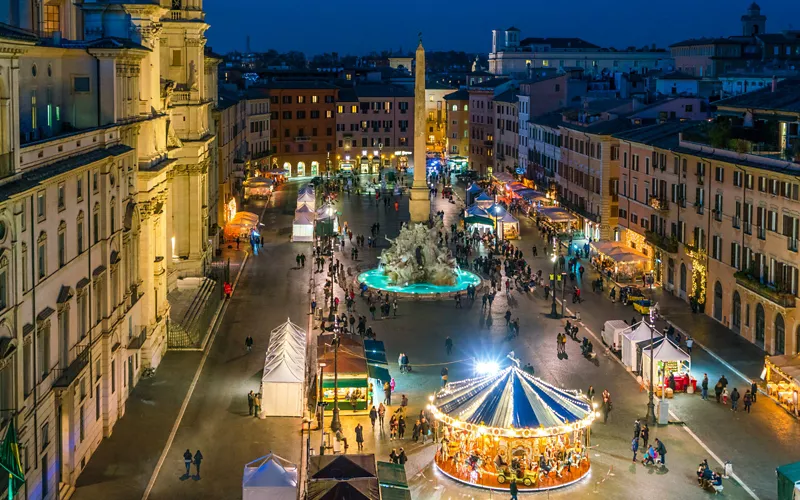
(785, 99)
(13, 33)
(560, 43)
(510, 96)
(691, 42)
(458, 95)
(299, 85)
(662, 135)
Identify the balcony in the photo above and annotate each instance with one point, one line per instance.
(699, 207)
(661, 204)
(748, 228)
(736, 222)
(668, 244)
(717, 214)
(137, 341)
(302, 138)
(488, 144)
(66, 376)
(772, 293)
(579, 210)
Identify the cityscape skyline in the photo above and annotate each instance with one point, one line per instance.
(229, 30)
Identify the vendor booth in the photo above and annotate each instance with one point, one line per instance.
(667, 358)
(612, 332)
(788, 481)
(619, 262)
(393, 481)
(475, 215)
(472, 192)
(257, 187)
(377, 367)
(483, 200)
(351, 477)
(353, 380)
(327, 220)
(284, 372)
(306, 196)
(782, 374)
(303, 227)
(269, 478)
(241, 225)
(507, 225)
(631, 338)
(510, 425)
(557, 219)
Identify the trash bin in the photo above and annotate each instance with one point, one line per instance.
(662, 411)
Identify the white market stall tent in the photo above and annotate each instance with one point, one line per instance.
(307, 197)
(303, 226)
(668, 357)
(284, 372)
(630, 339)
(269, 478)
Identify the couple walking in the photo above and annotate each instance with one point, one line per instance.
(188, 460)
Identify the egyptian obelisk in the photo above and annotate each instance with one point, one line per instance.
(420, 204)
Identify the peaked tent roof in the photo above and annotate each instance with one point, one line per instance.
(512, 399)
(270, 471)
(283, 366)
(354, 489)
(476, 211)
(666, 351)
(474, 189)
(304, 209)
(306, 196)
(640, 331)
(483, 197)
(351, 466)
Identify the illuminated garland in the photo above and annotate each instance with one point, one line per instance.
(699, 272)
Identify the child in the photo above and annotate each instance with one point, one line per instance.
(725, 395)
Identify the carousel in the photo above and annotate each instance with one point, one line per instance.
(512, 426)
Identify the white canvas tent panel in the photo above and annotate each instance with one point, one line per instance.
(665, 351)
(284, 373)
(629, 341)
(613, 330)
(303, 227)
(269, 478)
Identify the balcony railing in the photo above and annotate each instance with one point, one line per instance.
(748, 228)
(772, 293)
(302, 138)
(658, 203)
(791, 244)
(699, 208)
(668, 244)
(137, 341)
(66, 376)
(761, 233)
(736, 222)
(717, 214)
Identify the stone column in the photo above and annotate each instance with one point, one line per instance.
(420, 204)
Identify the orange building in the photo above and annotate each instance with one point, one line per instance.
(458, 122)
(303, 126)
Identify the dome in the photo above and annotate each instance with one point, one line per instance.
(511, 401)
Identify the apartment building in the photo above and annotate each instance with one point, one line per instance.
(436, 119)
(543, 154)
(302, 126)
(374, 127)
(458, 123)
(231, 119)
(98, 187)
(258, 127)
(506, 131)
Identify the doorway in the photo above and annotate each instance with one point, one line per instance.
(760, 323)
(718, 301)
(736, 313)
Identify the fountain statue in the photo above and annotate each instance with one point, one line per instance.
(416, 257)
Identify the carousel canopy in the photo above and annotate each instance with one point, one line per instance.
(511, 399)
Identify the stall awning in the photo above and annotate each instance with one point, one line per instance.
(327, 382)
(618, 251)
(789, 364)
(532, 195)
(479, 220)
(376, 357)
(503, 177)
(555, 214)
(378, 372)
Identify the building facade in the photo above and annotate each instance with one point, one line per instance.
(436, 119)
(302, 126)
(231, 119)
(98, 188)
(481, 133)
(506, 131)
(258, 128)
(458, 123)
(374, 127)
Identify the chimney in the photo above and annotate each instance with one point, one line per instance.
(774, 83)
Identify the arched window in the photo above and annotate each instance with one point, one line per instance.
(780, 335)
(79, 232)
(683, 278)
(760, 323)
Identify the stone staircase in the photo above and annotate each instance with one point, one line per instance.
(189, 303)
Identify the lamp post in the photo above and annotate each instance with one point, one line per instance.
(328, 164)
(651, 413)
(563, 287)
(331, 316)
(554, 308)
(335, 423)
(321, 409)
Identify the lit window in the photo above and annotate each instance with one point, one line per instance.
(340, 109)
(545, 63)
(314, 99)
(52, 19)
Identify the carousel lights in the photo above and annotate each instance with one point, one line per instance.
(487, 367)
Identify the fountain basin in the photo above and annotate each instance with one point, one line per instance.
(376, 279)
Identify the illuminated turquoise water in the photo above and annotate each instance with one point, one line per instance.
(375, 278)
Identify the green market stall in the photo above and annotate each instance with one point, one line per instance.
(788, 481)
(353, 379)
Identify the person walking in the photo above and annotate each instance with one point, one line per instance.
(635, 447)
(564, 344)
(187, 460)
(423, 429)
(558, 343)
(662, 451)
(748, 400)
(387, 393)
(448, 345)
(753, 390)
(689, 344)
(637, 429)
(250, 402)
(401, 457)
(704, 387)
(735, 399)
(198, 458)
(401, 426)
(360, 436)
(645, 436)
(394, 307)
(392, 428)
(248, 343)
(444, 376)
(415, 431)
(373, 416)
(381, 414)
(590, 393)
(718, 391)
(512, 488)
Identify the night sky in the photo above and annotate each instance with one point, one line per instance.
(361, 26)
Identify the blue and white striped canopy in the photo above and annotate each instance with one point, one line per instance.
(511, 399)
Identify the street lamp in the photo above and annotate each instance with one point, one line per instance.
(328, 164)
(335, 423)
(553, 308)
(321, 409)
(651, 407)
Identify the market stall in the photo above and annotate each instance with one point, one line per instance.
(782, 374)
(618, 261)
(640, 332)
(472, 192)
(303, 226)
(284, 373)
(393, 481)
(327, 220)
(511, 425)
(257, 187)
(507, 225)
(307, 196)
(334, 477)
(241, 225)
(483, 200)
(377, 367)
(666, 358)
(269, 478)
(353, 380)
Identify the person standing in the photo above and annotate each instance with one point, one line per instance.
(198, 458)
(635, 447)
(689, 345)
(645, 436)
(444, 376)
(735, 399)
(662, 451)
(387, 393)
(381, 414)
(257, 404)
(394, 307)
(748, 400)
(401, 426)
(448, 345)
(590, 393)
(558, 343)
(250, 402)
(637, 429)
(187, 460)
(753, 390)
(513, 489)
(704, 387)
(360, 436)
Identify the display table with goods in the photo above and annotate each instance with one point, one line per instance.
(509, 426)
